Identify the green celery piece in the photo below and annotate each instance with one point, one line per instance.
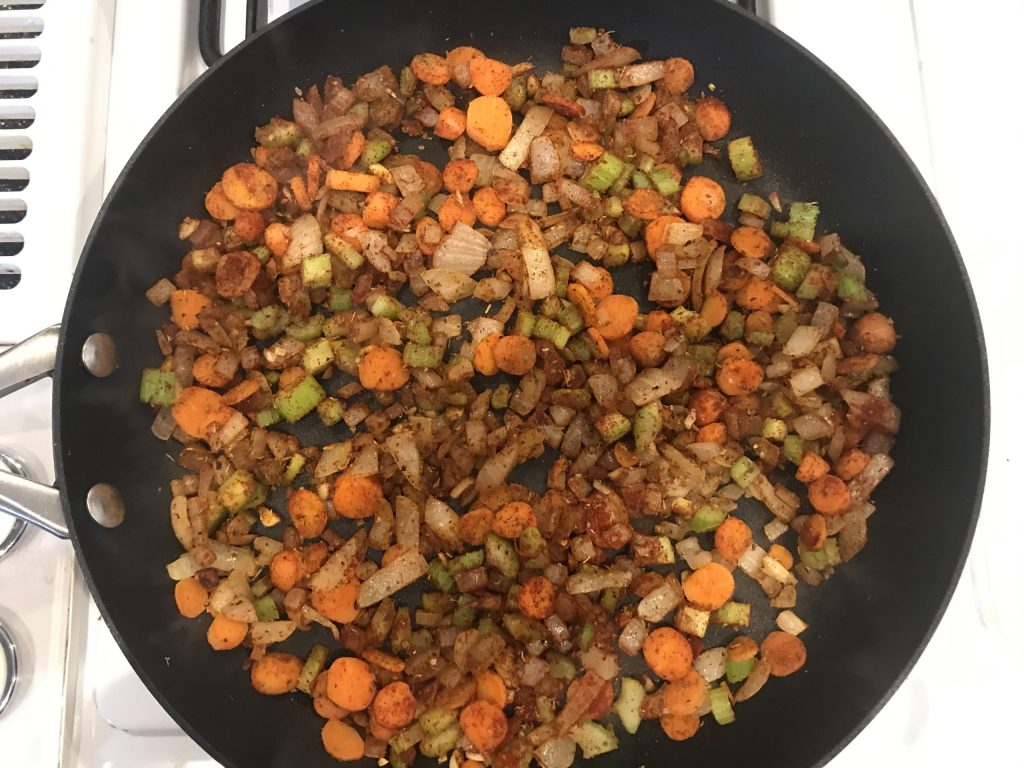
(268, 319)
(407, 82)
(612, 426)
(630, 225)
(793, 448)
(500, 397)
(791, 267)
(646, 425)
(744, 159)
(306, 330)
(545, 328)
(579, 348)
(732, 614)
(744, 471)
(851, 289)
(601, 78)
(760, 338)
(262, 253)
(613, 206)
(422, 355)
(664, 181)
(330, 411)
(570, 318)
(586, 636)
(267, 417)
(158, 387)
(737, 671)
(515, 94)
(266, 609)
(610, 597)
(278, 133)
(304, 148)
(339, 299)
(813, 283)
(531, 542)
(464, 616)
(639, 180)
(466, 562)
(314, 666)
(238, 491)
(501, 555)
(602, 173)
(561, 667)
(317, 356)
(773, 429)
(694, 326)
(337, 246)
(616, 255)
(295, 465)
(302, 398)
(626, 108)
(732, 327)
(721, 706)
(755, 205)
(784, 325)
(706, 518)
(387, 306)
(316, 271)
(523, 628)
(705, 355)
(375, 151)
(438, 574)
(346, 355)
(417, 329)
(524, 324)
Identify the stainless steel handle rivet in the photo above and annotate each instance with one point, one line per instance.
(99, 355)
(105, 505)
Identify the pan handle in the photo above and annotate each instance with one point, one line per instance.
(28, 500)
(210, 14)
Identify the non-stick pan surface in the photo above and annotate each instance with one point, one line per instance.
(819, 141)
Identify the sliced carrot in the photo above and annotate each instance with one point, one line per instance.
(313, 556)
(734, 349)
(483, 356)
(490, 77)
(616, 316)
(236, 272)
(225, 634)
(600, 343)
(484, 724)
(668, 654)
(286, 569)
(783, 555)
(455, 209)
(739, 377)
(578, 294)
(654, 234)
(712, 118)
(186, 305)
(190, 596)
(715, 432)
(460, 175)
(756, 293)
(382, 369)
(378, 208)
(347, 181)
(384, 660)
(458, 60)
(702, 198)
(732, 538)
(644, 204)
(249, 187)
(586, 150)
(537, 597)
(644, 108)
(300, 192)
(275, 674)
(751, 242)
(195, 409)
(204, 371)
(353, 150)
(357, 496)
(708, 405)
(685, 696)
(648, 348)
(428, 235)
(218, 205)
(474, 526)
(291, 376)
(241, 391)
(514, 518)
(852, 463)
(490, 687)
(431, 175)
(678, 75)
(515, 355)
(451, 123)
(394, 706)
(313, 167)
(249, 225)
(430, 68)
(785, 653)
(489, 122)
(829, 495)
(277, 236)
(679, 727)
(714, 309)
(709, 587)
(351, 684)
(339, 604)
(812, 466)
(489, 206)
(874, 333)
(814, 532)
(659, 321)
(342, 741)
(308, 513)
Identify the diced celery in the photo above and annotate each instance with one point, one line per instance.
(523, 628)
(486, 626)
(466, 561)
(339, 299)
(545, 328)
(582, 35)
(500, 397)
(268, 320)
(433, 602)
(422, 355)
(387, 306)
(616, 255)
(562, 273)
(464, 615)
(436, 719)
(639, 180)
(296, 402)
(793, 448)
(312, 668)
(705, 355)
(781, 406)
(316, 271)
(732, 614)
(549, 308)
(460, 369)
(578, 349)
(645, 164)
(304, 147)
(375, 151)
(407, 738)
(774, 430)
(732, 327)
(602, 173)
(760, 338)
(295, 465)
(204, 259)
(790, 267)
(278, 133)
(561, 667)
(262, 253)
(524, 323)
(744, 159)
(306, 330)
(814, 282)
(238, 491)
(593, 739)
(337, 246)
(571, 318)
(317, 357)
(501, 555)
(417, 329)
(586, 636)
(330, 411)
(613, 206)
(438, 574)
(158, 387)
(737, 671)
(407, 82)
(626, 107)
(531, 542)
(744, 471)
(267, 417)
(630, 225)
(601, 78)
(706, 518)
(440, 744)
(803, 218)
(612, 426)
(610, 597)
(666, 182)
(627, 705)
(346, 355)
(755, 205)
(266, 609)
(646, 425)
(851, 289)
(784, 325)
(272, 377)
(515, 94)
(694, 326)
(721, 705)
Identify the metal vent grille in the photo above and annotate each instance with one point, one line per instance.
(17, 87)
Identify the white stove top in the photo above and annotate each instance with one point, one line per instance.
(83, 707)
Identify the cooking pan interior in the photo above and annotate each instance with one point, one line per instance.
(819, 143)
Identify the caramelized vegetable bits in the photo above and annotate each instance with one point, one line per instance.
(444, 325)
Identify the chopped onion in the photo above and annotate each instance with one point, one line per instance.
(755, 680)
(540, 275)
(545, 163)
(402, 446)
(711, 664)
(497, 468)
(306, 240)
(341, 565)
(790, 622)
(756, 267)
(333, 459)
(651, 384)
(407, 179)
(442, 520)
(805, 380)
(464, 250)
(682, 233)
(631, 639)
(267, 632)
(824, 316)
(861, 486)
(396, 575)
(803, 340)
(532, 126)
(449, 284)
(534, 670)
(810, 426)
(641, 74)
(658, 603)
(556, 753)
(774, 528)
(183, 568)
(309, 613)
(750, 561)
(604, 664)
(581, 583)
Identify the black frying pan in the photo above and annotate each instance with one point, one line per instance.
(868, 624)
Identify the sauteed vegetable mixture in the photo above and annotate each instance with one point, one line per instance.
(366, 350)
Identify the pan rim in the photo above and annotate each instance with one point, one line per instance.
(67, 356)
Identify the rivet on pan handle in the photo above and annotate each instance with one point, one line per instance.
(27, 500)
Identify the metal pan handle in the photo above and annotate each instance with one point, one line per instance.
(210, 14)
(27, 500)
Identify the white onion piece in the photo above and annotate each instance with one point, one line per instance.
(464, 250)
(402, 447)
(407, 523)
(366, 462)
(603, 663)
(267, 632)
(449, 284)
(711, 664)
(659, 602)
(341, 565)
(182, 568)
(533, 125)
(750, 561)
(651, 384)
(396, 575)
(803, 340)
(580, 583)
(773, 529)
(407, 179)
(641, 74)
(534, 670)
(306, 240)
(631, 639)
(805, 380)
(545, 163)
(682, 233)
(442, 520)
(811, 427)
(755, 680)
(333, 459)
(756, 267)
(789, 622)
(556, 753)
(540, 275)
(824, 315)
(497, 468)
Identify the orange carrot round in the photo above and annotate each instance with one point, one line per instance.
(460, 175)
(455, 209)
(357, 496)
(225, 634)
(275, 674)
(186, 305)
(514, 518)
(286, 569)
(428, 235)
(484, 724)
(851, 463)
(515, 355)
(277, 236)
(382, 369)
(490, 77)
(829, 495)
(756, 293)
(709, 587)
(678, 75)
(474, 526)
(308, 513)
(342, 741)
(812, 466)
(351, 684)
(394, 705)
(739, 377)
(644, 204)
(685, 695)
(814, 532)
(616, 316)
(874, 333)
(537, 598)
(751, 242)
(236, 272)
(668, 654)
(218, 205)
(348, 227)
(714, 309)
(489, 122)
(702, 198)
(430, 68)
(679, 727)
(451, 123)
(249, 225)
(378, 208)
(712, 118)
(648, 348)
(458, 61)
(733, 350)
(190, 596)
(715, 432)
(249, 187)
(784, 653)
(490, 687)
(195, 409)
(483, 356)
(708, 405)
(489, 206)
(732, 538)
(340, 603)
(204, 371)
